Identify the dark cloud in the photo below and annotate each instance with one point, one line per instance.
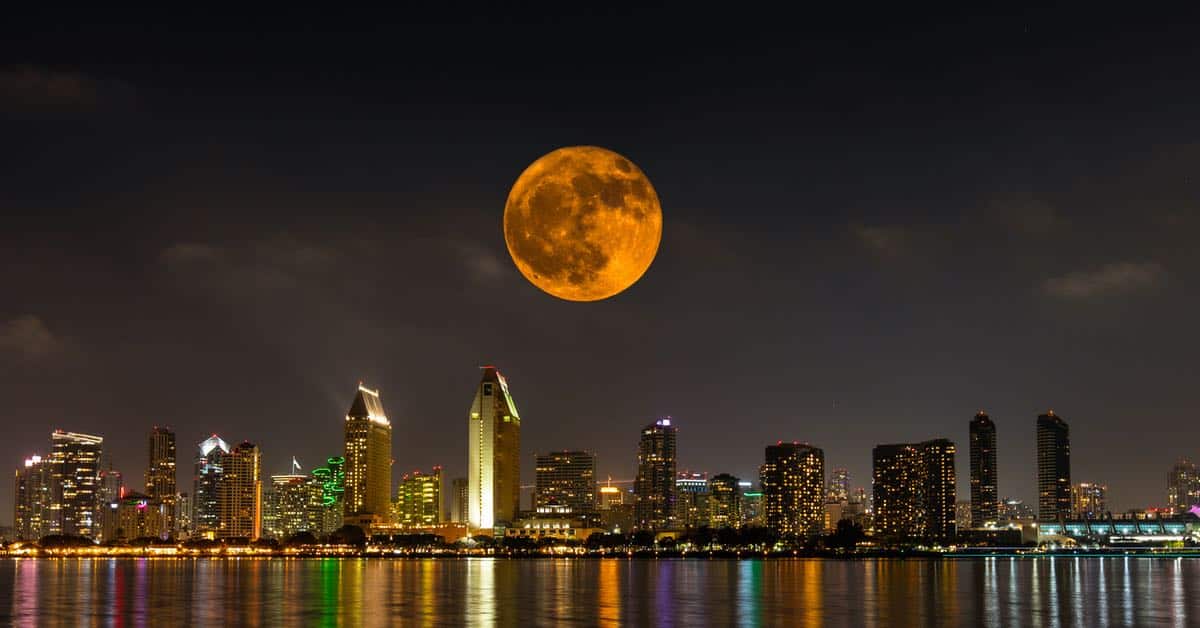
(28, 337)
(1115, 279)
(888, 241)
(38, 89)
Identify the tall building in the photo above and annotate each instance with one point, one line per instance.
(332, 480)
(985, 498)
(160, 475)
(460, 491)
(793, 488)
(724, 501)
(239, 493)
(839, 485)
(654, 487)
(1053, 467)
(112, 486)
(493, 454)
(691, 499)
(206, 513)
(566, 478)
(183, 515)
(75, 483)
(914, 490)
(293, 505)
(31, 499)
(419, 499)
(1183, 486)
(368, 467)
(1089, 500)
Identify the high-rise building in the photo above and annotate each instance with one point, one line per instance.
(206, 498)
(1183, 486)
(419, 499)
(839, 485)
(31, 499)
(493, 454)
(985, 497)
(1089, 500)
(793, 488)
(691, 499)
(160, 475)
(183, 515)
(332, 480)
(724, 501)
(610, 496)
(112, 486)
(293, 505)
(239, 493)
(914, 490)
(654, 487)
(565, 479)
(460, 492)
(368, 467)
(75, 484)
(1053, 467)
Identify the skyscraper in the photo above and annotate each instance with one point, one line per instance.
(1089, 500)
(984, 495)
(1183, 486)
(724, 501)
(31, 499)
(691, 499)
(1053, 467)
(75, 483)
(914, 490)
(419, 499)
(292, 505)
(793, 488)
(206, 513)
(240, 493)
(566, 479)
(160, 475)
(839, 485)
(332, 480)
(654, 487)
(368, 467)
(493, 454)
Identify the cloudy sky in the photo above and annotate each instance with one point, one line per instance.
(873, 228)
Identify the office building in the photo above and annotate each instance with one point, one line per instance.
(460, 491)
(839, 485)
(332, 480)
(985, 498)
(914, 490)
(724, 501)
(654, 487)
(1089, 500)
(1053, 467)
(1183, 486)
(419, 499)
(75, 484)
(567, 479)
(31, 499)
(793, 489)
(206, 513)
(292, 505)
(493, 455)
(691, 499)
(368, 465)
(160, 475)
(239, 493)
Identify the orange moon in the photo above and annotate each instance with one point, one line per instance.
(582, 223)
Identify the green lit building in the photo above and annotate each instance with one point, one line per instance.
(419, 499)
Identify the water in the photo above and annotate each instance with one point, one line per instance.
(553, 592)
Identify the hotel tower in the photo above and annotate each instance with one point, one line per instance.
(494, 464)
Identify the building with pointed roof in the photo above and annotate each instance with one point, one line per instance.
(494, 459)
(368, 465)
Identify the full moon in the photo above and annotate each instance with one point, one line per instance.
(582, 223)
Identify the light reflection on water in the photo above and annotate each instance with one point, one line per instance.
(487, 592)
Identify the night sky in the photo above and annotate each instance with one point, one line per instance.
(875, 224)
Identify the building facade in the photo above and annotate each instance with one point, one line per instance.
(1183, 486)
(368, 460)
(493, 454)
(985, 498)
(75, 484)
(914, 490)
(1089, 500)
(206, 501)
(419, 499)
(460, 492)
(793, 489)
(160, 476)
(31, 499)
(293, 505)
(654, 487)
(566, 478)
(724, 501)
(239, 493)
(691, 499)
(1053, 467)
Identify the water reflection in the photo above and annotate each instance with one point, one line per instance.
(610, 592)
